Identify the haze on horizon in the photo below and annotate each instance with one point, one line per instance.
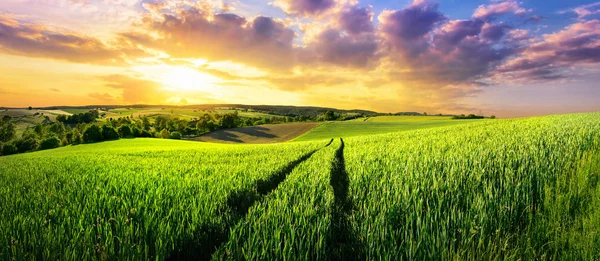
(508, 58)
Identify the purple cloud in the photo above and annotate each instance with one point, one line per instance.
(356, 20)
(305, 7)
(406, 29)
(554, 54)
(336, 48)
(492, 11)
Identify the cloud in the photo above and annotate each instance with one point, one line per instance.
(193, 33)
(134, 90)
(103, 97)
(553, 55)
(492, 11)
(428, 51)
(356, 20)
(334, 47)
(305, 7)
(35, 40)
(584, 10)
(406, 30)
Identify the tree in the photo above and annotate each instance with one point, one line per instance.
(9, 149)
(27, 143)
(109, 133)
(50, 143)
(175, 135)
(164, 133)
(493, 117)
(125, 131)
(77, 139)
(7, 129)
(29, 108)
(92, 133)
(57, 128)
(425, 114)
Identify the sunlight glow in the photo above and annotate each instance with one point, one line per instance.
(182, 78)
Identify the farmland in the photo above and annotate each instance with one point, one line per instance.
(377, 125)
(476, 189)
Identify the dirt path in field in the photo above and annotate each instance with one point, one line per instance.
(270, 133)
(238, 204)
(342, 242)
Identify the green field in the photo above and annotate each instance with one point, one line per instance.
(518, 189)
(177, 112)
(377, 125)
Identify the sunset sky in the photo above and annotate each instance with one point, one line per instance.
(508, 58)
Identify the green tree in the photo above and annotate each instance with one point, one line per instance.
(175, 135)
(50, 143)
(7, 129)
(125, 131)
(92, 133)
(9, 149)
(109, 133)
(164, 133)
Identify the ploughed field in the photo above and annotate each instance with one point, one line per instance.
(504, 189)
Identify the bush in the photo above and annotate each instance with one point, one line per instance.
(50, 143)
(27, 143)
(9, 149)
(92, 133)
(164, 133)
(109, 133)
(145, 134)
(175, 135)
(64, 142)
(125, 131)
(135, 132)
(77, 139)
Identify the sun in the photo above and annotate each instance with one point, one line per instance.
(187, 79)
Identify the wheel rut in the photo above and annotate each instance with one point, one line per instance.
(210, 238)
(343, 243)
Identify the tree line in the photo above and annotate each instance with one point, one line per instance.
(86, 128)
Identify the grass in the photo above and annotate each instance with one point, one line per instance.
(181, 113)
(268, 133)
(521, 189)
(133, 199)
(377, 125)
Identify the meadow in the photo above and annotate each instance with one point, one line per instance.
(377, 125)
(516, 189)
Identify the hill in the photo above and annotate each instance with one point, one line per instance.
(269, 133)
(524, 189)
(377, 125)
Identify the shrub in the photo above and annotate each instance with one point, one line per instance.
(64, 142)
(109, 133)
(77, 139)
(92, 133)
(125, 131)
(9, 149)
(135, 131)
(50, 143)
(175, 135)
(145, 134)
(164, 133)
(27, 143)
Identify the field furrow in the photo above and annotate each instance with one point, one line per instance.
(291, 223)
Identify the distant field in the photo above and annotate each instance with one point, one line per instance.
(181, 113)
(377, 125)
(269, 133)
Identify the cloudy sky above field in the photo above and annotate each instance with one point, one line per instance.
(509, 58)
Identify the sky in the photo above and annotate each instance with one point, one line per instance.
(494, 57)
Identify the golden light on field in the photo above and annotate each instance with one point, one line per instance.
(187, 79)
